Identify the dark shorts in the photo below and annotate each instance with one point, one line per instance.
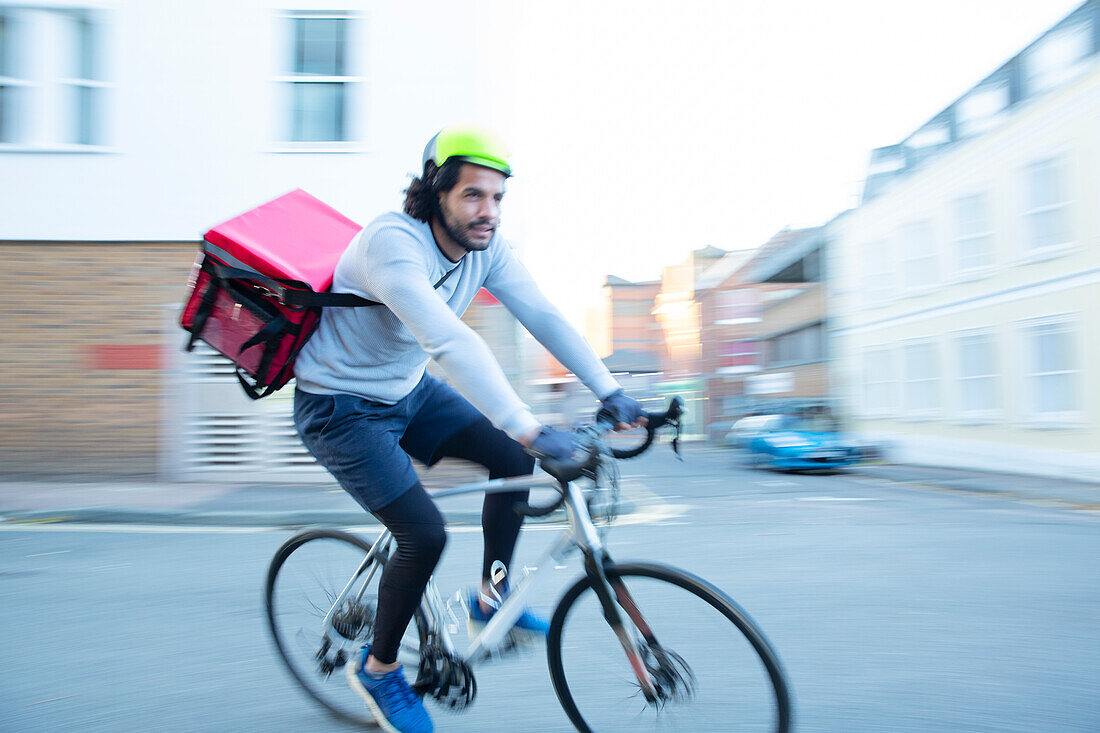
(367, 445)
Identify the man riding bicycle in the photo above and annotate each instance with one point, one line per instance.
(364, 404)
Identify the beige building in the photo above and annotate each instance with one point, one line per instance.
(967, 284)
(733, 330)
(792, 331)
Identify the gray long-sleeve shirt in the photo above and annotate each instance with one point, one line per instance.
(380, 353)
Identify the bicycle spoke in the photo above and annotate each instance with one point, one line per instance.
(707, 674)
(306, 579)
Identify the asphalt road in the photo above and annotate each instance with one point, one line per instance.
(893, 609)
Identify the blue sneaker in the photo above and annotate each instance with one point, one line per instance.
(390, 698)
(528, 621)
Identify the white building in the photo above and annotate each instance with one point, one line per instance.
(149, 120)
(967, 284)
(130, 127)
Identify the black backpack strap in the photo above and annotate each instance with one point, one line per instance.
(309, 299)
(297, 295)
(250, 389)
(202, 312)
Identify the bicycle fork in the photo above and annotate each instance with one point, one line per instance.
(596, 564)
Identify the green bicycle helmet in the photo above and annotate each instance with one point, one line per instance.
(470, 144)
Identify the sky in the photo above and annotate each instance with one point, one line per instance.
(642, 130)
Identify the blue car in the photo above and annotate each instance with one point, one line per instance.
(793, 443)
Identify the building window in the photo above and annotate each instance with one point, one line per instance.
(931, 135)
(981, 109)
(1046, 205)
(631, 308)
(84, 87)
(922, 379)
(319, 84)
(977, 375)
(9, 83)
(1052, 370)
(973, 235)
(738, 307)
(740, 357)
(879, 382)
(52, 87)
(1058, 57)
(878, 273)
(918, 257)
(802, 346)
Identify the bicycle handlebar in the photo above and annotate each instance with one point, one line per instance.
(571, 469)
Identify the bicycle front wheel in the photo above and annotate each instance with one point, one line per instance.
(306, 577)
(709, 667)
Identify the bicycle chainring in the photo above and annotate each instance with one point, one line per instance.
(447, 679)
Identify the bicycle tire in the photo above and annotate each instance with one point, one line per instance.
(294, 645)
(766, 681)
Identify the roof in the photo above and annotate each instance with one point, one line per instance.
(787, 252)
(767, 252)
(723, 268)
(614, 281)
(946, 128)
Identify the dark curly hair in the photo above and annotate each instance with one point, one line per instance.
(421, 197)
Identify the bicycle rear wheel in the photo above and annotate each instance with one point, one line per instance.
(711, 667)
(306, 576)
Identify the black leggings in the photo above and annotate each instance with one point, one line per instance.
(417, 526)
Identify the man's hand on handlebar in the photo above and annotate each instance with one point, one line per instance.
(622, 412)
(550, 443)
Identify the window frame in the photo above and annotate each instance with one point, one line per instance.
(44, 79)
(971, 117)
(877, 297)
(982, 416)
(1064, 419)
(890, 381)
(968, 274)
(933, 255)
(353, 81)
(1039, 81)
(908, 413)
(1027, 252)
(800, 338)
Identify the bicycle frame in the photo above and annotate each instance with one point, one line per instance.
(582, 533)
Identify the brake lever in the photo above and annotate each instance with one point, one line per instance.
(678, 424)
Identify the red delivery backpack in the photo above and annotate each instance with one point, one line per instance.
(260, 281)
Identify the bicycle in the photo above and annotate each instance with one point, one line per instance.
(670, 653)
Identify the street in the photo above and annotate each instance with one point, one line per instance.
(892, 609)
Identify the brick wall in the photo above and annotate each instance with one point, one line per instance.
(812, 379)
(800, 310)
(83, 339)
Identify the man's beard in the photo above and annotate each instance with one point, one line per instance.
(460, 232)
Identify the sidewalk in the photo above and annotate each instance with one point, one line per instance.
(254, 505)
(229, 504)
(1079, 494)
